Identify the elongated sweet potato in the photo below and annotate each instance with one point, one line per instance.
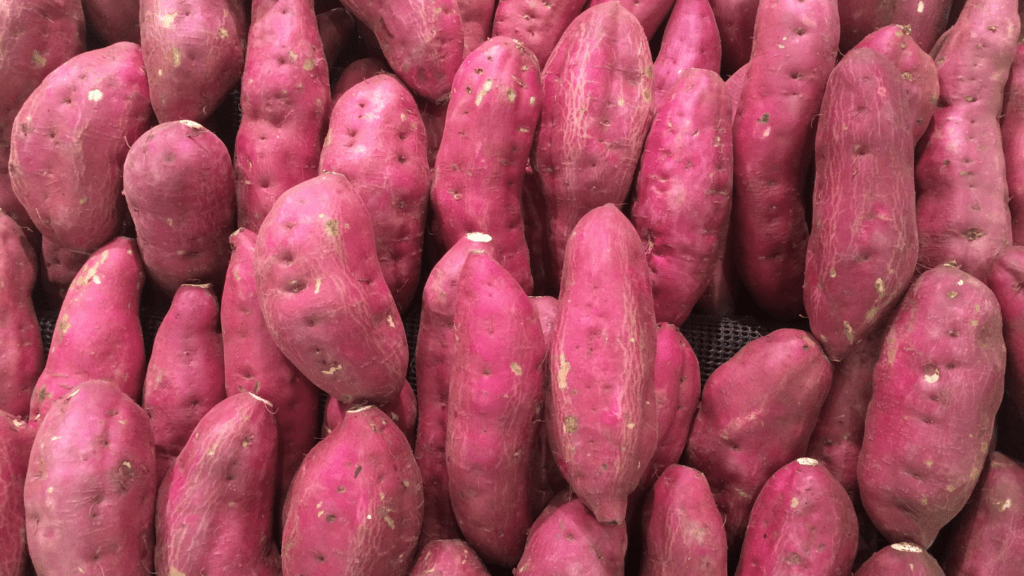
(83, 348)
(1005, 280)
(937, 387)
(476, 17)
(924, 21)
(69, 142)
(91, 486)
(570, 540)
(215, 510)
(114, 20)
(735, 20)
(602, 417)
(901, 558)
(601, 64)
(650, 13)
(478, 173)
(547, 480)
(21, 357)
(784, 378)
(16, 438)
(535, 23)
(448, 558)
(356, 505)
(684, 191)
(1013, 143)
(377, 119)
(323, 295)
(691, 40)
(795, 45)
(401, 410)
(355, 73)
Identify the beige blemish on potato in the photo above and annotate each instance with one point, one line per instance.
(766, 132)
(95, 95)
(175, 57)
(37, 59)
(293, 56)
(176, 572)
(486, 88)
(167, 20)
(929, 463)
(630, 426)
(879, 286)
(848, 331)
(794, 503)
(50, 489)
(563, 373)
(332, 228)
(160, 72)
(952, 294)
(223, 32)
(931, 374)
(511, 95)
(316, 289)
(390, 522)
(1006, 505)
(516, 369)
(533, 100)
(64, 324)
(920, 7)
(331, 371)
(570, 424)
(308, 65)
(391, 321)
(832, 272)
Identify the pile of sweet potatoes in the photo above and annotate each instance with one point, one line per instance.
(424, 270)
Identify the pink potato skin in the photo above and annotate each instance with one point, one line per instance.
(682, 528)
(21, 356)
(684, 191)
(650, 13)
(1006, 280)
(284, 106)
(448, 558)
(69, 143)
(602, 413)
(356, 505)
(547, 478)
(16, 438)
(401, 410)
(179, 185)
(495, 409)
(62, 265)
(110, 284)
(323, 295)
(185, 375)
(36, 36)
(215, 510)
(1013, 143)
(569, 540)
(435, 345)
(477, 17)
(422, 40)
(862, 248)
(773, 142)
(114, 20)
(924, 21)
(735, 20)
(535, 23)
(96, 447)
(962, 193)
(917, 70)
(937, 387)
(803, 521)
(479, 169)
(784, 378)
(691, 40)
(337, 28)
(253, 363)
(355, 73)
(901, 558)
(194, 51)
(378, 141)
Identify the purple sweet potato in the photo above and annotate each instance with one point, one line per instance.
(476, 17)
(401, 410)
(682, 528)
(570, 540)
(601, 64)
(1006, 281)
(356, 505)
(901, 558)
(88, 347)
(783, 378)
(735, 20)
(285, 96)
(602, 417)
(323, 295)
(16, 438)
(1013, 143)
(378, 141)
(62, 265)
(802, 521)
(536, 23)
(422, 40)
(21, 357)
(69, 142)
(91, 486)
(547, 478)
(962, 194)
(435, 344)
(179, 185)
(114, 20)
(185, 375)
(355, 73)
(691, 40)
(863, 242)
(650, 13)
(215, 511)
(937, 387)
(448, 558)
(926, 19)
(194, 54)
(923, 20)
(478, 173)
(684, 191)
(495, 404)
(795, 46)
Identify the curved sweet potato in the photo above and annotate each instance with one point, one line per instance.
(536, 23)
(691, 40)
(21, 357)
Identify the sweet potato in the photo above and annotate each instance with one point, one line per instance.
(87, 348)
(682, 528)
(285, 95)
(1013, 143)
(356, 504)
(476, 17)
(650, 13)
(536, 23)
(691, 40)
(802, 520)
(194, 54)
(378, 141)
(547, 480)
(114, 20)
(735, 20)
(355, 73)
(185, 375)
(1006, 280)
(863, 242)
(784, 378)
(901, 558)
(179, 185)
(215, 510)
(924, 21)
(478, 173)
(21, 357)
(433, 114)
(602, 417)
(69, 142)
(401, 410)
(337, 28)
(495, 404)
(323, 295)
(422, 40)
(91, 486)
(684, 191)
(929, 424)
(62, 265)
(448, 558)
(962, 194)
(570, 540)
(16, 438)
